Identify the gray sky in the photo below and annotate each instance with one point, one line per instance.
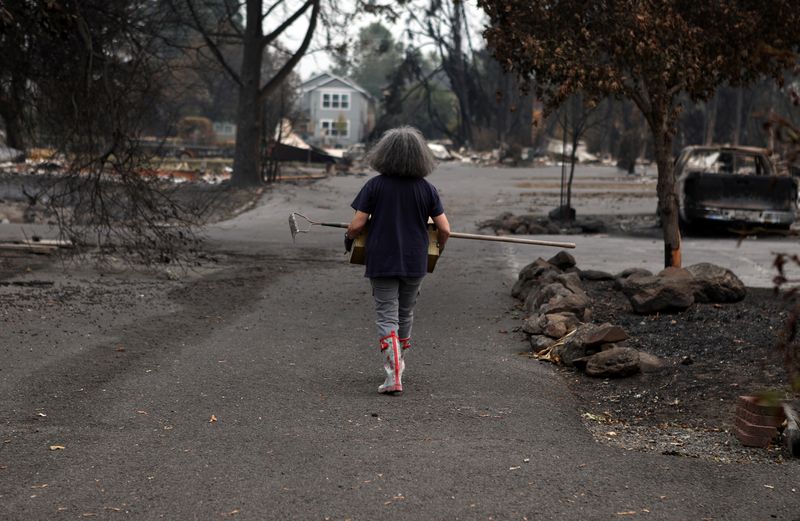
(317, 61)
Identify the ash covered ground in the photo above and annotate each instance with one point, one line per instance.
(712, 353)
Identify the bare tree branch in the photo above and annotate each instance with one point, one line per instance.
(212, 45)
(271, 9)
(268, 38)
(287, 67)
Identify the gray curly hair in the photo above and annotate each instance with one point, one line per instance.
(402, 152)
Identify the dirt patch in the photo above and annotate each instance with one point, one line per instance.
(712, 353)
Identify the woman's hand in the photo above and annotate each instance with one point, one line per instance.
(442, 230)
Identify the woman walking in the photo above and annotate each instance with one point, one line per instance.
(397, 204)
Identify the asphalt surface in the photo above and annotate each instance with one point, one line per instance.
(256, 399)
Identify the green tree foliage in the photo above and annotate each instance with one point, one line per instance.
(651, 53)
(372, 60)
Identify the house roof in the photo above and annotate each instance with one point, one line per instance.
(320, 80)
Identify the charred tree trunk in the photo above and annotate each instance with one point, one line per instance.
(246, 158)
(737, 131)
(711, 119)
(460, 74)
(12, 119)
(11, 104)
(667, 198)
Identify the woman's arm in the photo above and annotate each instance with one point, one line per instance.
(442, 230)
(357, 224)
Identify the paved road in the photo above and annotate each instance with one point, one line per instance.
(288, 366)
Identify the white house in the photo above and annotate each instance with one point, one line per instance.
(339, 112)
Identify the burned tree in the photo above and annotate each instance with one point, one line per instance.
(253, 89)
(649, 52)
(92, 83)
(574, 118)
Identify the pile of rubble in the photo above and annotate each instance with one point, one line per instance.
(559, 310)
(509, 224)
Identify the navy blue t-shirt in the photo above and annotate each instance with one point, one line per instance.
(397, 242)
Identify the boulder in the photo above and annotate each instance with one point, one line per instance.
(595, 275)
(552, 229)
(534, 273)
(511, 223)
(626, 275)
(658, 293)
(575, 303)
(539, 342)
(675, 273)
(714, 283)
(613, 363)
(534, 325)
(562, 260)
(606, 334)
(628, 272)
(556, 325)
(536, 229)
(592, 226)
(650, 363)
(540, 295)
(571, 281)
(575, 347)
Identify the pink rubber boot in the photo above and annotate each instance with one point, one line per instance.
(393, 365)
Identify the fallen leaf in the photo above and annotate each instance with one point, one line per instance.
(57, 447)
(611, 433)
(120, 349)
(212, 419)
(142, 412)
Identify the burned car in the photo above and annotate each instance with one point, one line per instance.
(733, 185)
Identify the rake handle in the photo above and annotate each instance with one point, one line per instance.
(333, 225)
(517, 240)
(477, 237)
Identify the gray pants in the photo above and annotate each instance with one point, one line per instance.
(395, 298)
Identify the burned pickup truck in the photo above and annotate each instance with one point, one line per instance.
(735, 186)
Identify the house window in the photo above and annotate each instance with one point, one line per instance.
(335, 128)
(336, 100)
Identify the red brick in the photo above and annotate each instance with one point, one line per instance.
(751, 403)
(755, 430)
(758, 419)
(752, 441)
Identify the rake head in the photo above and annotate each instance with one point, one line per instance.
(294, 224)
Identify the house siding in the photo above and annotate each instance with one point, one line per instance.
(356, 113)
